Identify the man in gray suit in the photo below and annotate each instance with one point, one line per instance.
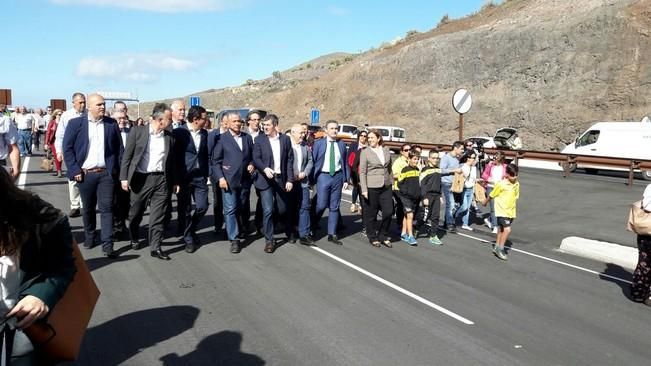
(148, 171)
(299, 207)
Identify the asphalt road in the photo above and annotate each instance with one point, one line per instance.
(358, 305)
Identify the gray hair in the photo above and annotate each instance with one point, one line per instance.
(159, 110)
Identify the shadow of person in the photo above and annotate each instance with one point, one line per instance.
(223, 348)
(617, 275)
(119, 339)
(97, 263)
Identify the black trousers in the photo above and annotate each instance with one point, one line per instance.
(642, 275)
(152, 189)
(121, 206)
(400, 210)
(432, 212)
(217, 205)
(96, 190)
(379, 199)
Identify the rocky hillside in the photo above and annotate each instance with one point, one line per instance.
(547, 67)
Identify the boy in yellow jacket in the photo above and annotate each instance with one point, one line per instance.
(506, 194)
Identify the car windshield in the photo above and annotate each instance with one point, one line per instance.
(349, 129)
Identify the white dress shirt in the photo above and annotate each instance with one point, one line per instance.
(154, 154)
(326, 162)
(196, 138)
(298, 158)
(275, 150)
(238, 139)
(254, 135)
(95, 157)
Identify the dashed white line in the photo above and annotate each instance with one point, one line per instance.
(396, 287)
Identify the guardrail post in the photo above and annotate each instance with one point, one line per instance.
(631, 172)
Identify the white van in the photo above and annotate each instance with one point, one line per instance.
(348, 131)
(390, 133)
(629, 140)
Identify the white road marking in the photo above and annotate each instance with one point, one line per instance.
(551, 260)
(396, 287)
(23, 173)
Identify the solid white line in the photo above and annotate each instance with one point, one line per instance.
(552, 260)
(396, 287)
(23, 173)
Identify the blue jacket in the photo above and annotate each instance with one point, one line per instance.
(187, 156)
(263, 158)
(75, 145)
(319, 158)
(229, 162)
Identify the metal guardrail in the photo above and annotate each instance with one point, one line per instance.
(565, 161)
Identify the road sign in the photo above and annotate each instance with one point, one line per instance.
(314, 116)
(461, 101)
(195, 101)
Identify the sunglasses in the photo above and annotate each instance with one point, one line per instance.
(406, 150)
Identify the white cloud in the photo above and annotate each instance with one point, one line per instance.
(162, 6)
(146, 67)
(337, 11)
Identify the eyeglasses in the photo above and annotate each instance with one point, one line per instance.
(469, 145)
(405, 150)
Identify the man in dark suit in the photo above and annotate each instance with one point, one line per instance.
(232, 169)
(148, 171)
(330, 175)
(273, 157)
(120, 197)
(191, 156)
(91, 149)
(217, 205)
(299, 207)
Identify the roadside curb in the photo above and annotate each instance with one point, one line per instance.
(602, 251)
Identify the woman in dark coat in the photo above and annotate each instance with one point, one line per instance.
(36, 265)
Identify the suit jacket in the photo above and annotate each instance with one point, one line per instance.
(137, 144)
(318, 156)
(76, 146)
(307, 165)
(229, 162)
(263, 158)
(186, 155)
(372, 173)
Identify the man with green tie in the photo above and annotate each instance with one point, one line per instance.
(330, 175)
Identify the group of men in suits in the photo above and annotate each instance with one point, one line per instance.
(157, 160)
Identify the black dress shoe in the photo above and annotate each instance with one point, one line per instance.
(111, 254)
(75, 212)
(235, 246)
(307, 240)
(291, 238)
(334, 240)
(190, 248)
(135, 245)
(269, 247)
(160, 255)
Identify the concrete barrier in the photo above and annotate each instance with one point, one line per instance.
(620, 255)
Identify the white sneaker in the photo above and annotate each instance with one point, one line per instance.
(488, 223)
(494, 230)
(466, 227)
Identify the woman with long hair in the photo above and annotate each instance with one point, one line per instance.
(468, 168)
(50, 137)
(36, 266)
(495, 171)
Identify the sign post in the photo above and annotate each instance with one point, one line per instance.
(461, 102)
(315, 115)
(195, 101)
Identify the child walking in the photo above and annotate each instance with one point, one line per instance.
(505, 195)
(409, 194)
(430, 188)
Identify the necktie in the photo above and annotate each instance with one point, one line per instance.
(332, 158)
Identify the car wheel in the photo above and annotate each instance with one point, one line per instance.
(646, 174)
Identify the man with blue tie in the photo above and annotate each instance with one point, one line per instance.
(273, 157)
(91, 149)
(232, 169)
(331, 176)
(191, 156)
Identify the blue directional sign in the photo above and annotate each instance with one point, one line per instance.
(314, 116)
(195, 101)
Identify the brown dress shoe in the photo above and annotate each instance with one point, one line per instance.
(269, 247)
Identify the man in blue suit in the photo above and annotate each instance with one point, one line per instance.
(91, 149)
(273, 157)
(232, 169)
(330, 175)
(191, 156)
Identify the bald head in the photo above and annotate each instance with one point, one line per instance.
(96, 106)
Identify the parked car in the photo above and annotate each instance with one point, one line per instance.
(390, 133)
(347, 131)
(505, 138)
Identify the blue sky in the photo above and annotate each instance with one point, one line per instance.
(168, 48)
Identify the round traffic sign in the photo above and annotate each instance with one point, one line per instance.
(461, 101)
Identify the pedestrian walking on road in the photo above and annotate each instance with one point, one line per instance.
(505, 194)
(494, 172)
(641, 286)
(409, 194)
(469, 170)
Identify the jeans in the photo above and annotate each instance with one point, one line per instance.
(464, 210)
(233, 201)
(299, 209)
(25, 142)
(489, 189)
(448, 195)
(328, 190)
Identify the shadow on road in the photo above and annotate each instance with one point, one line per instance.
(619, 272)
(119, 339)
(223, 348)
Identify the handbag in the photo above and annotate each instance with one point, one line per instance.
(639, 220)
(457, 183)
(58, 337)
(480, 192)
(46, 164)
